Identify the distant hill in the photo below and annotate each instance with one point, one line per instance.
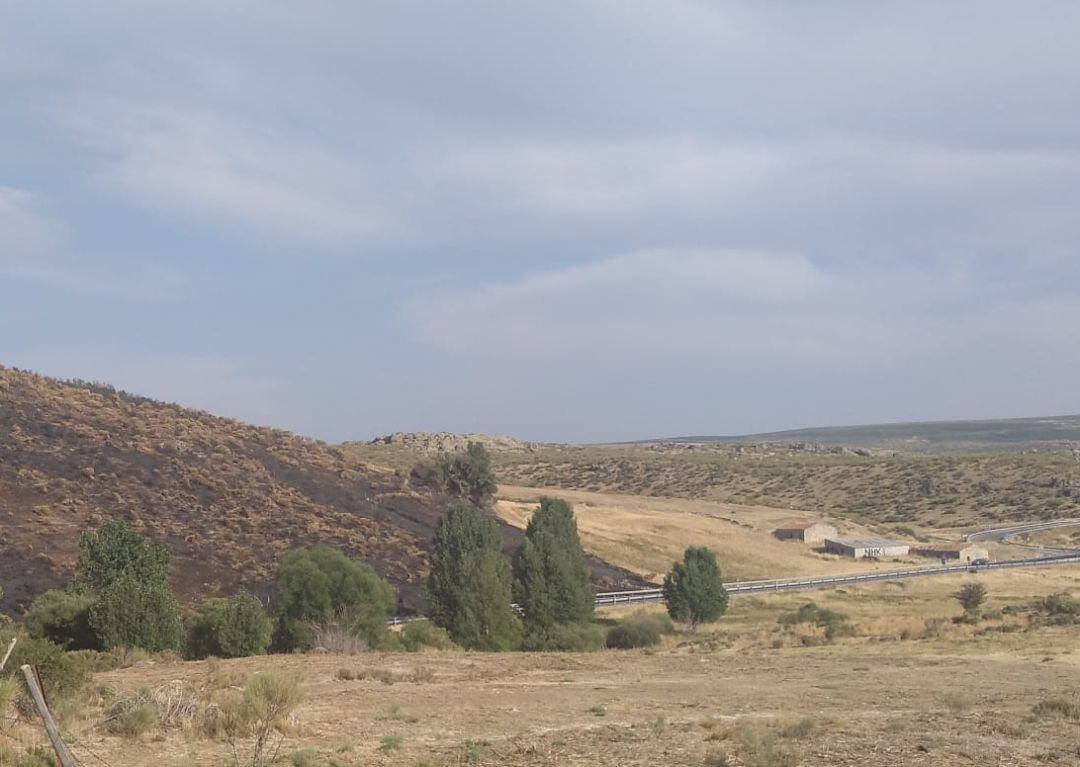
(228, 499)
(1011, 434)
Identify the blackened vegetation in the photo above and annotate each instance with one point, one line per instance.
(226, 498)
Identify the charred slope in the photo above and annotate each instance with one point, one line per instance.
(227, 498)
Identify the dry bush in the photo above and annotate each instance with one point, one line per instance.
(417, 675)
(338, 637)
(254, 715)
(170, 706)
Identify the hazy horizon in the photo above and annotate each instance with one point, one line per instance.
(580, 223)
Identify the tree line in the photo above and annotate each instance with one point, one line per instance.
(540, 598)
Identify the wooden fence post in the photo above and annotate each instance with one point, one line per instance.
(7, 655)
(61, 749)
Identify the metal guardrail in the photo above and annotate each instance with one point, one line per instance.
(608, 598)
(798, 584)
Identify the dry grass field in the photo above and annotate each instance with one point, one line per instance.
(899, 491)
(903, 686)
(645, 535)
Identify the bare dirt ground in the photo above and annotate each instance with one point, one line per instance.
(676, 707)
(746, 690)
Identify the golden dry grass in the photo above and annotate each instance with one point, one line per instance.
(645, 535)
(926, 493)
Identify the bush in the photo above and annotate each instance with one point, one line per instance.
(417, 635)
(38, 756)
(464, 474)
(60, 675)
(116, 550)
(835, 623)
(268, 700)
(229, 628)
(319, 584)
(134, 613)
(639, 630)
(132, 720)
(1059, 609)
(63, 617)
(567, 637)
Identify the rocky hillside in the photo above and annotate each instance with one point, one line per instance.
(443, 441)
(226, 498)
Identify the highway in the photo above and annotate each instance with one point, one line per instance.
(739, 588)
(1047, 558)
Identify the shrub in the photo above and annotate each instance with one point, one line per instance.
(63, 617)
(639, 630)
(31, 757)
(835, 623)
(1059, 609)
(134, 613)
(60, 675)
(567, 637)
(268, 699)
(463, 474)
(132, 720)
(971, 597)
(319, 584)
(229, 628)
(469, 584)
(390, 743)
(417, 635)
(117, 549)
(694, 590)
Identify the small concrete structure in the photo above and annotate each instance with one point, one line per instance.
(807, 532)
(861, 548)
(965, 552)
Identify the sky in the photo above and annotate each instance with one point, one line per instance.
(566, 221)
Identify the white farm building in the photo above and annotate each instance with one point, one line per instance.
(861, 548)
(807, 532)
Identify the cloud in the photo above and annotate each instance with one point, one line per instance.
(738, 308)
(220, 168)
(24, 231)
(35, 248)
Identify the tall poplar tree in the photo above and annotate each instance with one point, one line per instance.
(551, 579)
(469, 586)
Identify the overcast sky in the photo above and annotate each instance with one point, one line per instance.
(561, 221)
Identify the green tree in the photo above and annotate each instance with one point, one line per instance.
(319, 584)
(693, 589)
(971, 597)
(63, 616)
(551, 579)
(133, 613)
(118, 549)
(463, 474)
(469, 585)
(235, 627)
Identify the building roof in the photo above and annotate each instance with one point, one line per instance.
(802, 525)
(865, 543)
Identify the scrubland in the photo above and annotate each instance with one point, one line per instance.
(900, 683)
